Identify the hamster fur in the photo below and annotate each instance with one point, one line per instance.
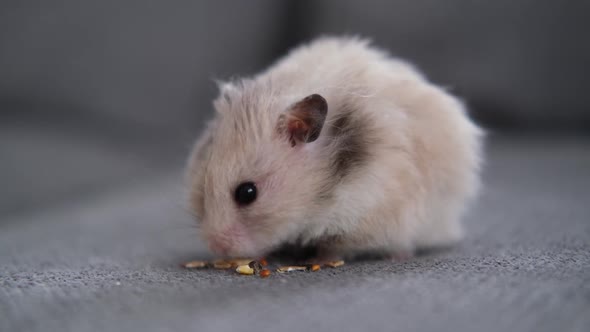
(392, 170)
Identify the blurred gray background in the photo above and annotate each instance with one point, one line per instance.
(100, 102)
(129, 83)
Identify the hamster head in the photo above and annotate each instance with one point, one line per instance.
(254, 172)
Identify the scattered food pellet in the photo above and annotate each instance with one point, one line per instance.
(222, 265)
(251, 267)
(335, 263)
(230, 263)
(284, 269)
(256, 266)
(245, 269)
(194, 264)
(239, 261)
(313, 267)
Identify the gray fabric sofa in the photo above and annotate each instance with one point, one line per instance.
(100, 102)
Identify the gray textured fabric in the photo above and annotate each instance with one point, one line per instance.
(111, 263)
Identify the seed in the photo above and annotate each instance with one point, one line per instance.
(313, 267)
(335, 263)
(284, 269)
(239, 261)
(221, 264)
(255, 265)
(264, 273)
(194, 264)
(245, 269)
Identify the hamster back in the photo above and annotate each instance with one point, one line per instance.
(337, 145)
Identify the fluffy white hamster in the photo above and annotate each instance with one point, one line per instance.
(337, 145)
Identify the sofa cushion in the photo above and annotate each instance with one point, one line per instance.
(111, 263)
(516, 62)
(147, 62)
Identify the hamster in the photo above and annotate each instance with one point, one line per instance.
(337, 146)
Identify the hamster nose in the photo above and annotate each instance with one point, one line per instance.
(219, 246)
(228, 241)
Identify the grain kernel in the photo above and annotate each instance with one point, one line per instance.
(255, 265)
(335, 263)
(221, 264)
(245, 269)
(284, 269)
(264, 273)
(194, 264)
(239, 261)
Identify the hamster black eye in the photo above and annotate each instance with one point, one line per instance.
(245, 193)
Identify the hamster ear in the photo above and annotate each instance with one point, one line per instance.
(225, 88)
(303, 121)
(225, 91)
